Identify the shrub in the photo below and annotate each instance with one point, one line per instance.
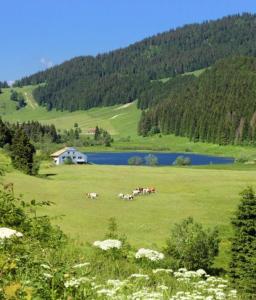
(135, 161)
(182, 161)
(243, 250)
(192, 246)
(151, 160)
(242, 159)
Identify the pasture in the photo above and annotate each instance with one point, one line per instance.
(209, 195)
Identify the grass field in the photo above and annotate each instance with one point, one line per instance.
(120, 120)
(209, 195)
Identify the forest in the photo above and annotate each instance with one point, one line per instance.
(218, 107)
(123, 75)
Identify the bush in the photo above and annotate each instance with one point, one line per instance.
(135, 161)
(242, 159)
(151, 160)
(182, 161)
(192, 246)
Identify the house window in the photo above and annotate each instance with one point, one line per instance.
(74, 157)
(63, 157)
(79, 157)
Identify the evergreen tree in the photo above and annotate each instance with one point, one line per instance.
(97, 133)
(22, 152)
(243, 250)
(5, 134)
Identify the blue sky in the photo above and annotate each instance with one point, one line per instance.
(39, 33)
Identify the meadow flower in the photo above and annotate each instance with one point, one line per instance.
(6, 233)
(108, 244)
(75, 282)
(149, 254)
(155, 271)
(201, 272)
(45, 266)
(78, 266)
(106, 292)
(47, 275)
(139, 276)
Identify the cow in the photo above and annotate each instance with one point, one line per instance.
(121, 195)
(92, 195)
(136, 192)
(128, 197)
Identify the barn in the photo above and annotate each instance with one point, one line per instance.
(69, 154)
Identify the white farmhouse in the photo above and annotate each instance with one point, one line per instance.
(60, 156)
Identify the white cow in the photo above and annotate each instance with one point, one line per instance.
(121, 195)
(92, 195)
(135, 193)
(128, 197)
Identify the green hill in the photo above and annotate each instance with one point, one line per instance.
(217, 107)
(122, 75)
(119, 120)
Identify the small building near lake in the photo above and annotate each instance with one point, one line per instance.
(69, 154)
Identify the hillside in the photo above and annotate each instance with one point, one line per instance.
(218, 107)
(122, 75)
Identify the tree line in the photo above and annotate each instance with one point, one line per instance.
(218, 107)
(124, 75)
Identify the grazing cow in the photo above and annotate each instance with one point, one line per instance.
(128, 197)
(136, 192)
(121, 195)
(152, 190)
(146, 191)
(92, 195)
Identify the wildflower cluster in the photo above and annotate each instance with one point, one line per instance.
(149, 254)
(108, 244)
(6, 233)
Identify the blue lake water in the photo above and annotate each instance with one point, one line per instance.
(164, 159)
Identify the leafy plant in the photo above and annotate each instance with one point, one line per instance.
(192, 246)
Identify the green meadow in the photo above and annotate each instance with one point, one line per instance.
(209, 195)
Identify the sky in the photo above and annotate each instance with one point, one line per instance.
(36, 34)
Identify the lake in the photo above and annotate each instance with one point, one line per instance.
(164, 159)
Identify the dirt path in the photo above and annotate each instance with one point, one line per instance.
(30, 102)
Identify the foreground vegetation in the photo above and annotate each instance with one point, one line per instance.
(37, 263)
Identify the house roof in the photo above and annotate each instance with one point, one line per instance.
(59, 152)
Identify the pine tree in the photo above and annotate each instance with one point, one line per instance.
(22, 152)
(97, 133)
(5, 134)
(243, 264)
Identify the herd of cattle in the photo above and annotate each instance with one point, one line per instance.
(137, 192)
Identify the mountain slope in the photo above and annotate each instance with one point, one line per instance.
(218, 107)
(122, 75)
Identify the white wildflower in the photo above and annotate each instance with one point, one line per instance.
(149, 254)
(108, 244)
(155, 271)
(47, 275)
(45, 266)
(107, 292)
(139, 276)
(201, 272)
(75, 282)
(6, 233)
(182, 270)
(78, 266)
